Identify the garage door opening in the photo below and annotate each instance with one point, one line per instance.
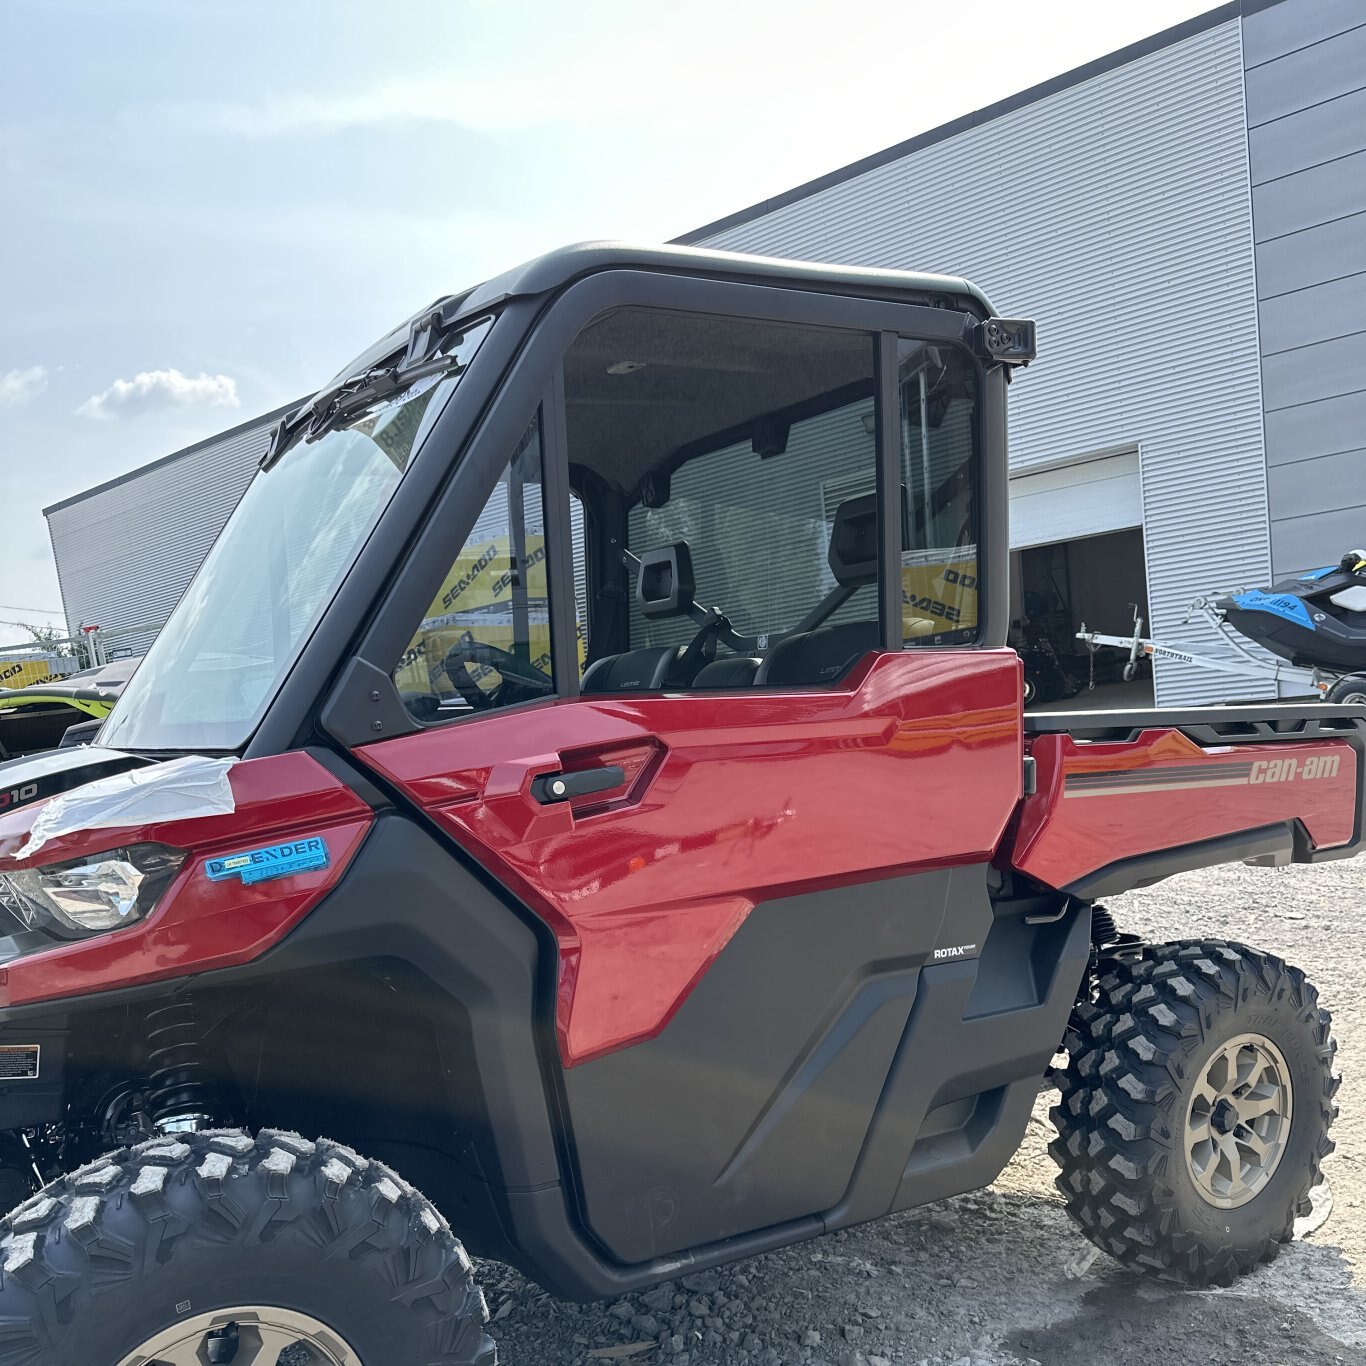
(1096, 580)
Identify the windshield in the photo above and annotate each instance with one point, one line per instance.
(210, 674)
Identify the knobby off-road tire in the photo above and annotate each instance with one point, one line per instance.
(140, 1248)
(1138, 1055)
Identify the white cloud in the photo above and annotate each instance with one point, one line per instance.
(285, 114)
(19, 386)
(154, 390)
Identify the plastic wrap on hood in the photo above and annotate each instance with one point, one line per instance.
(180, 789)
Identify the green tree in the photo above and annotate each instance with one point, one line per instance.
(51, 639)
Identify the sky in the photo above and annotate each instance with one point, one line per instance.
(208, 206)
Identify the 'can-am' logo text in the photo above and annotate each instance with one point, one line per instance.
(1287, 770)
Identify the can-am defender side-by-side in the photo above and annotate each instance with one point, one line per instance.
(587, 781)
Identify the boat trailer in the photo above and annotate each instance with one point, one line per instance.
(1315, 681)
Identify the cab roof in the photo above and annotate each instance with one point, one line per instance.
(559, 268)
(556, 269)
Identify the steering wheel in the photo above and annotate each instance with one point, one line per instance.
(520, 681)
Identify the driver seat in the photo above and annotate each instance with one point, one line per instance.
(664, 588)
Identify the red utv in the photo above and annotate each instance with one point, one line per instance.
(587, 781)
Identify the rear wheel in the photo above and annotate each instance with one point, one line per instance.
(1195, 1109)
(271, 1251)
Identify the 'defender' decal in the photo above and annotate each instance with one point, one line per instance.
(274, 860)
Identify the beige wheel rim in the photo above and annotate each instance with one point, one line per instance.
(254, 1336)
(1238, 1121)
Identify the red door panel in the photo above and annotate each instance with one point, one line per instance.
(729, 799)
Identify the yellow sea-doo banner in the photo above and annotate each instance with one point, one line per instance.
(476, 602)
(939, 591)
(23, 673)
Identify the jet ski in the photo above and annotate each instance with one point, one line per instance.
(61, 713)
(1315, 621)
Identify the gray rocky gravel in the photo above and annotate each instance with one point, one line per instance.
(1000, 1277)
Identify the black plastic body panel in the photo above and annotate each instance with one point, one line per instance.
(796, 1079)
(1206, 725)
(406, 900)
(1275, 843)
(751, 1107)
(978, 1043)
(30, 1101)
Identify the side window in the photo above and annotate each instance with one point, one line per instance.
(727, 470)
(940, 471)
(485, 640)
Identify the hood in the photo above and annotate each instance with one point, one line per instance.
(35, 777)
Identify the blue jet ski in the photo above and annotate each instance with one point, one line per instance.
(1316, 621)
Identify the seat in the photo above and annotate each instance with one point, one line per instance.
(738, 671)
(824, 653)
(819, 656)
(664, 590)
(634, 670)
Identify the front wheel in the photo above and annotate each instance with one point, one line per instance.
(219, 1247)
(1195, 1109)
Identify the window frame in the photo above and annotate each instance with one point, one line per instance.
(982, 497)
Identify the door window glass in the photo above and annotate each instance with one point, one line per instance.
(485, 640)
(727, 470)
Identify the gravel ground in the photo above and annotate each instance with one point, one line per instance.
(1000, 1277)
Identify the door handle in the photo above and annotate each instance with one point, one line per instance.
(560, 787)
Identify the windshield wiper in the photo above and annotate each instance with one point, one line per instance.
(431, 342)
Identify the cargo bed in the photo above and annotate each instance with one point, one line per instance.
(1122, 799)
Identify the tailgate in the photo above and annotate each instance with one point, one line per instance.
(1123, 799)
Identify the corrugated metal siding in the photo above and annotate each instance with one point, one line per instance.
(1306, 112)
(1116, 213)
(126, 553)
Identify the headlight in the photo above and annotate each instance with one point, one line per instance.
(91, 895)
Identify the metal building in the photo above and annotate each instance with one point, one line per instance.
(127, 549)
(1186, 221)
